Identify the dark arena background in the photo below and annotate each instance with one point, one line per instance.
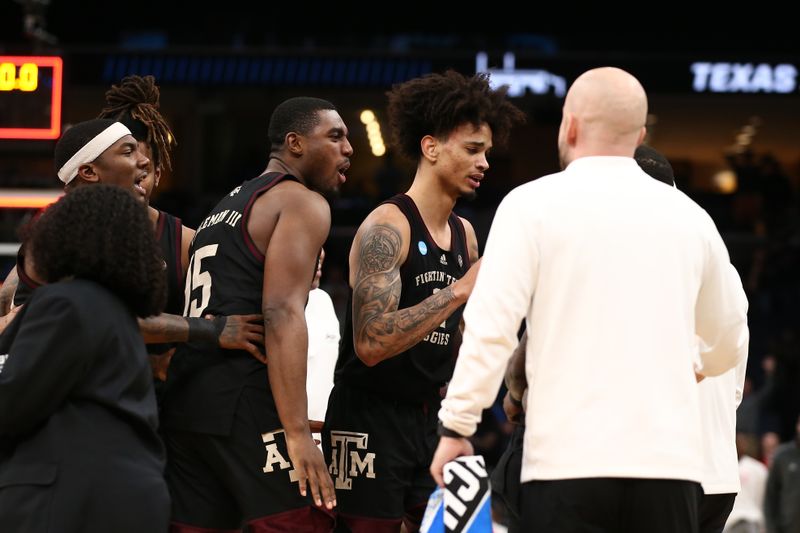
(724, 107)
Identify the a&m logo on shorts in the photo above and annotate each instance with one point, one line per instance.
(346, 461)
(275, 457)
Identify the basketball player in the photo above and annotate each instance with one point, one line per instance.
(135, 104)
(237, 430)
(412, 266)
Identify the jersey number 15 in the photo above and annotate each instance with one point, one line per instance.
(198, 279)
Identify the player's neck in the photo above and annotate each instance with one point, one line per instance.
(434, 204)
(276, 164)
(152, 214)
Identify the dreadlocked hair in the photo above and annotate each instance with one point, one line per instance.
(437, 104)
(135, 100)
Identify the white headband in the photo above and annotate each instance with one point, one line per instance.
(92, 150)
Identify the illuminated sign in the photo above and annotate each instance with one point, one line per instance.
(30, 97)
(28, 198)
(743, 77)
(536, 81)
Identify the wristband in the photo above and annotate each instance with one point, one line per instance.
(514, 401)
(205, 330)
(445, 432)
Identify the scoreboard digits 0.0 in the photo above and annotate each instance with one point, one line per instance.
(30, 97)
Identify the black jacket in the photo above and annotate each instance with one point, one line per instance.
(78, 418)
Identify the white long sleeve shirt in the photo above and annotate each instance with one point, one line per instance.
(719, 398)
(615, 275)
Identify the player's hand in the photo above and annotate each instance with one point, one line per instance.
(449, 448)
(243, 332)
(466, 283)
(310, 467)
(513, 410)
(159, 363)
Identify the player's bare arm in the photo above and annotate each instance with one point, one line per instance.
(235, 332)
(516, 383)
(515, 379)
(159, 363)
(380, 330)
(6, 319)
(7, 291)
(301, 226)
(472, 241)
(474, 256)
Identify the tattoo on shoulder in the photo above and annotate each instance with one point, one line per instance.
(380, 248)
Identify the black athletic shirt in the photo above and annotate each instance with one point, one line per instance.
(225, 277)
(169, 234)
(416, 374)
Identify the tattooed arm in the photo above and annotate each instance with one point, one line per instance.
(235, 332)
(380, 330)
(7, 291)
(164, 328)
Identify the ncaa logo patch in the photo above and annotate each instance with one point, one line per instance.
(423, 248)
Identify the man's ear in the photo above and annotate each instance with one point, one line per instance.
(88, 172)
(294, 143)
(430, 148)
(642, 135)
(571, 129)
(156, 176)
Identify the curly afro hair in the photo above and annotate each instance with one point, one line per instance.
(102, 233)
(437, 104)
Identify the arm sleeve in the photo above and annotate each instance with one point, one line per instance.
(47, 357)
(743, 345)
(500, 299)
(721, 313)
(741, 371)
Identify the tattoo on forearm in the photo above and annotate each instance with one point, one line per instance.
(376, 296)
(164, 328)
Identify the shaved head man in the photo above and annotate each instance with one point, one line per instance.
(604, 114)
(620, 280)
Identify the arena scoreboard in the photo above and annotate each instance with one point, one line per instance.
(30, 97)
